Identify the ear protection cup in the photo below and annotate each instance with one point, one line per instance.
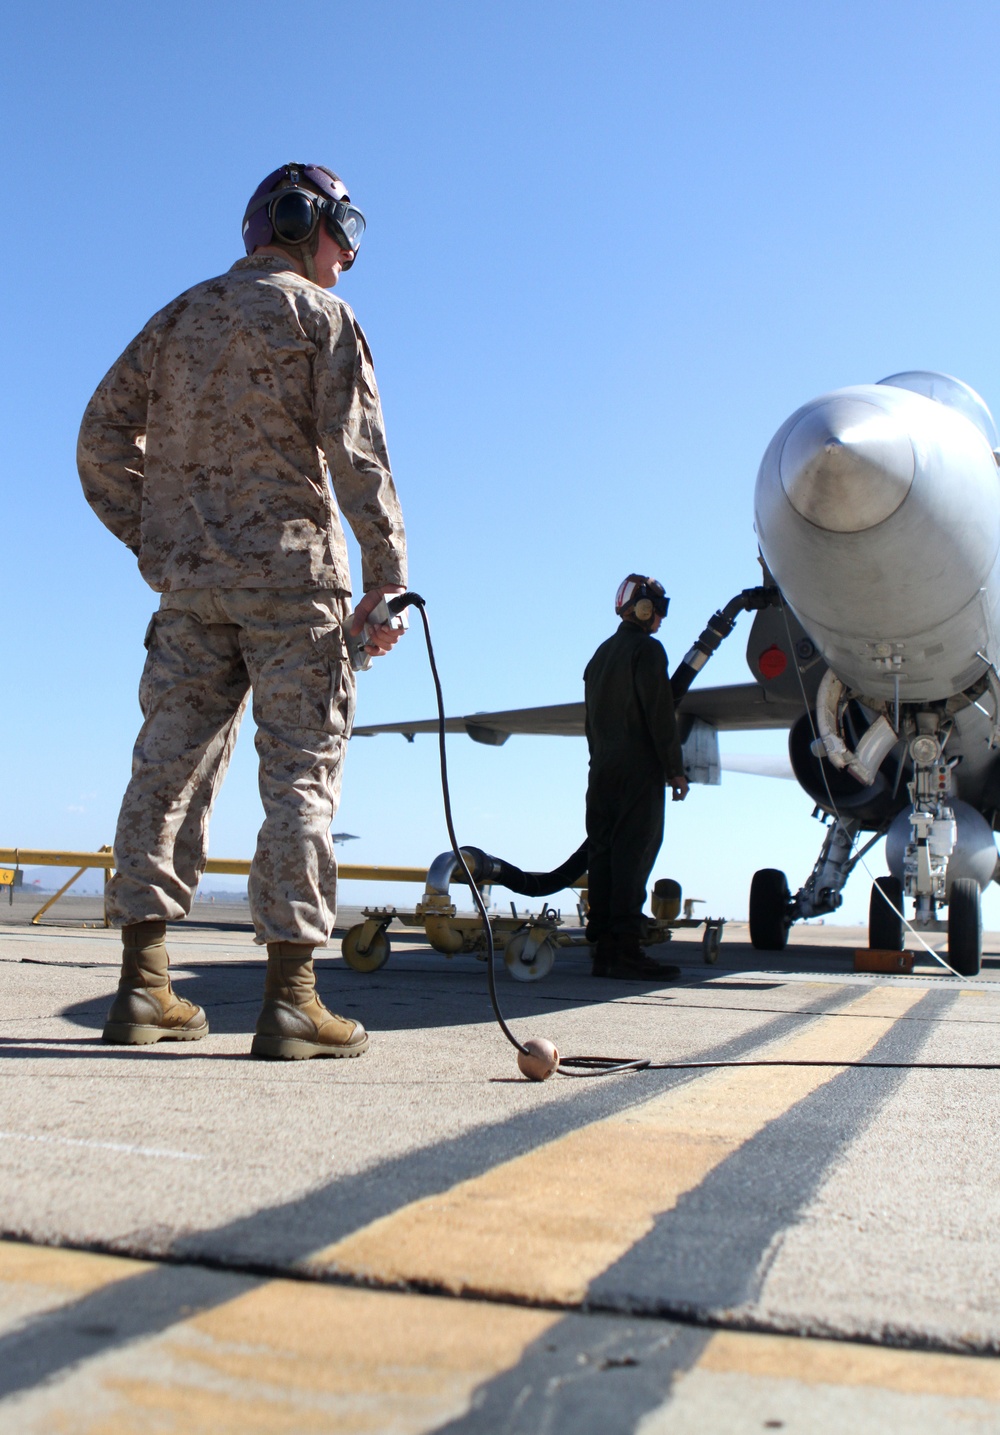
(639, 597)
(294, 216)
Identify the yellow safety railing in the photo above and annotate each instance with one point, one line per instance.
(233, 867)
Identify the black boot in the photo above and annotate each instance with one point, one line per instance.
(603, 955)
(627, 962)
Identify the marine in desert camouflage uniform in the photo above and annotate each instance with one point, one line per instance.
(209, 449)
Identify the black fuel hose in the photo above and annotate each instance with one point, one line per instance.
(488, 869)
(718, 627)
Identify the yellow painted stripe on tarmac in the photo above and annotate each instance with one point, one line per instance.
(285, 1358)
(288, 1358)
(747, 1383)
(375, 1360)
(543, 1226)
(35, 1278)
(835, 1362)
(75, 1272)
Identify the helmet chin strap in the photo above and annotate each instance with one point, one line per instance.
(305, 253)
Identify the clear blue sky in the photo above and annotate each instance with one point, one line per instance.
(610, 249)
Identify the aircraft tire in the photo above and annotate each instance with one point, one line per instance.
(769, 922)
(885, 926)
(965, 927)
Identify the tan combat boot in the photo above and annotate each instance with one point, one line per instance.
(293, 1023)
(146, 1008)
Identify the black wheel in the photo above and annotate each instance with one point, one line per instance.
(769, 923)
(965, 927)
(885, 919)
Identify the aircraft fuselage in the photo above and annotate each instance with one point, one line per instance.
(877, 512)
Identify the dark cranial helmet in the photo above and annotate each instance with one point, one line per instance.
(641, 599)
(287, 207)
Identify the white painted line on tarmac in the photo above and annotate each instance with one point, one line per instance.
(100, 1145)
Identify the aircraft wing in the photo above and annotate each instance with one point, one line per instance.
(738, 707)
(558, 720)
(758, 765)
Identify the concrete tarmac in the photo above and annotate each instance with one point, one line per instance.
(420, 1240)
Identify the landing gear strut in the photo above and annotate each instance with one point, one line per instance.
(929, 852)
(772, 910)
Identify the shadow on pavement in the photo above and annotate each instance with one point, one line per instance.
(419, 989)
(440, 995)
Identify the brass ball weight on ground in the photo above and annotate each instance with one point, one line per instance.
(538, 1060)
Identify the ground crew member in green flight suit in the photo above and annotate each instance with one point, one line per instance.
(635, 754)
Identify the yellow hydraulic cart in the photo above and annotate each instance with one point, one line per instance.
(529, 942)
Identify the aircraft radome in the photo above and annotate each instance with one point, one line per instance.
(877, 513)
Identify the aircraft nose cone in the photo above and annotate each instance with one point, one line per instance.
(846, 465)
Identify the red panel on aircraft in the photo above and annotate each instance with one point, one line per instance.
(772, 662)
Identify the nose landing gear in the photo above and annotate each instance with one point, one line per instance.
(938, 845)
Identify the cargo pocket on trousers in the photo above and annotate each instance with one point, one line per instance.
(327, 695)
(148, 684)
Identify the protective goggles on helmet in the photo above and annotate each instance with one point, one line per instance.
(636, 590)
(282, 211)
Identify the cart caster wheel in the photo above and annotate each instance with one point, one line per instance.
(374, 956)
(527, 959)
(710, 945)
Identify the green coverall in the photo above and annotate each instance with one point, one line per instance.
(634, 753)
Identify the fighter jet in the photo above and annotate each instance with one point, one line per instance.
(876, 644)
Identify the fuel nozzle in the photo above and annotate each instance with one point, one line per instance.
(718, 627)
(387, 613)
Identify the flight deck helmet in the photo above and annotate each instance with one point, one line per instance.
(640, 599)
(288, 206)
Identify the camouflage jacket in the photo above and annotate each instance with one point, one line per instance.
(210, 445)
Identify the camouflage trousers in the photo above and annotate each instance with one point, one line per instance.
(207, 649)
